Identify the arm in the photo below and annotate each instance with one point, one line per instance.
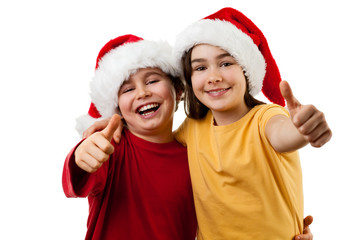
(72, 176)
(283, 135)
(305, 125)
(85, 159)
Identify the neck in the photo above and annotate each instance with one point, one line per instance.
(161, 136)
(228, 117)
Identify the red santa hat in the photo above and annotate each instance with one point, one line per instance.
(235, 33)
(117, 60)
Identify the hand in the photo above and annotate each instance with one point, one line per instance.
(307, 235)
(309, 121)
(96, 149)
(100, 125)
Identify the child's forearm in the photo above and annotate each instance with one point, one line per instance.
(283, 135)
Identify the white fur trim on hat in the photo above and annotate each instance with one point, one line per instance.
(227, 36)
(117, 66)
(84, 122)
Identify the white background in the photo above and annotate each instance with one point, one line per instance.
(47, 58)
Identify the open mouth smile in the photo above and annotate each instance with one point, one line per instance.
(148, 109)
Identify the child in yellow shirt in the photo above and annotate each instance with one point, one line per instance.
(244, 167)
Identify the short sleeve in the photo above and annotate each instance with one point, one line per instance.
(268, 112)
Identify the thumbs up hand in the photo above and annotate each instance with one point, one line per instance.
(100, 125)
(308, 120)
(96, 149)
(110, 129)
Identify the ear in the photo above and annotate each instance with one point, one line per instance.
(122, 118)
(119, 112)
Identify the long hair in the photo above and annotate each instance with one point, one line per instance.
(179, 88)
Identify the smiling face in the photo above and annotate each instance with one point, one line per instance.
(219, 83)
(147, 102)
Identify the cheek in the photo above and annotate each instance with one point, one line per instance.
(124, 104)
(197, 91)
(196, 82)
(166, 90)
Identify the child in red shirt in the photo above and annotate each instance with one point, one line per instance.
(138, 188)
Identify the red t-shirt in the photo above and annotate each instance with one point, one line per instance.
(142, 192)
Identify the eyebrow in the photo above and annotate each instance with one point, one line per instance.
(220, 56)
(148, 74)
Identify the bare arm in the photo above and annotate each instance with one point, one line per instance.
(305, 125)
(283, 135)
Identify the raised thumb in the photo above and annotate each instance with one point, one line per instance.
(113, 124)
(287, 93)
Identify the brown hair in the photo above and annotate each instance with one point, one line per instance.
(193, 107)
(179, 88)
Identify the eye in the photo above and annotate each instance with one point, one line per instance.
(152, 81)
(126, 90)
(226, 64)
(199, 68)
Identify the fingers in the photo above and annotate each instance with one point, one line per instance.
(322, 139)
(96, 148)
(287, 93)
(309, 121)
(312, 125)
(114, 124)
(117, 133)
(93, 152)
(307, 235)
(97, 126)
(88, 163)
(307, 221)
(306, 117)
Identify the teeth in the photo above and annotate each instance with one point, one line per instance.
(146, 107)
(217, 91)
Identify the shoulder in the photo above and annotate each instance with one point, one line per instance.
(191, 126)
(266, 111)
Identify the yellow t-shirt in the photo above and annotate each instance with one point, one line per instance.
(243, 188)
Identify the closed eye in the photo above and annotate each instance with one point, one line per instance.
(152, 81)
(127, 90)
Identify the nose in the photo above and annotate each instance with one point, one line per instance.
(214, 76)
(142, 92)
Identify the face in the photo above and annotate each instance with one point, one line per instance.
(147, 103)
(218, 82)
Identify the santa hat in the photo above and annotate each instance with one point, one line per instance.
(117, 60)
(239, 36)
